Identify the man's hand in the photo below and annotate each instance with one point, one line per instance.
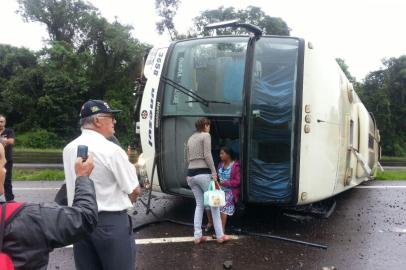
(134, 195)
(84, 168)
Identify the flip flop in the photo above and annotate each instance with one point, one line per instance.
(201, 239)
(223, 239)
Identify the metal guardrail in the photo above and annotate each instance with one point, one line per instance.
(391, 163)
(37, 157)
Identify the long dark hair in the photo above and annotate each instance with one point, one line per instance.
(228, 151)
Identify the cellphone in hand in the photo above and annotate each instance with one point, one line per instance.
(82, 152)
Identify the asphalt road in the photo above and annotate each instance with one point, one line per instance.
(366, 231)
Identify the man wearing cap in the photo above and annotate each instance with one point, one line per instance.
(111, 245)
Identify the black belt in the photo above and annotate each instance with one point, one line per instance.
(197, 171)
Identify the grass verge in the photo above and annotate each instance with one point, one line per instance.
(391, 175)
(47, 150)
(38, 174)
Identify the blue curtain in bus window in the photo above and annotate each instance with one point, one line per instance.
(273, 96)
(272, 108)
(271, 181)
(233, 79)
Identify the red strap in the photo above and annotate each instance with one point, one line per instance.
(11, 208)
(5, 262)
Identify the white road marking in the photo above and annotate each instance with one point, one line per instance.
(37, 188)
(166, 240)
(379, 187)
(148, 241)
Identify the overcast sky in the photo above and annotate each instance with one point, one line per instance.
(362, 32)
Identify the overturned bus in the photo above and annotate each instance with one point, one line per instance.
(282, 104)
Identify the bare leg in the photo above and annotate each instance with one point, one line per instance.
(223, 220)
(209, 219)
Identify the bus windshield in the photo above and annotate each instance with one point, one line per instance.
(205, 77)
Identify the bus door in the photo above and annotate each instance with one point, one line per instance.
(203, 78)
(270, 116)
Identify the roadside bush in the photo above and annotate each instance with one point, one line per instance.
(39, 138)
(398, 150)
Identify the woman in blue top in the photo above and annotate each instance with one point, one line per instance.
(229, 179)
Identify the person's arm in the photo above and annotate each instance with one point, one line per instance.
(125, 174)
(10, 138)
(186, 153)
(64, 225)
(134, 195)
(2, 169)
(235, 177)
(207, 155)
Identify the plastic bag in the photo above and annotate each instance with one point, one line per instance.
(214, 197)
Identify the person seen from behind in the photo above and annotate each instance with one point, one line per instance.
(200, 171)
(34, 230)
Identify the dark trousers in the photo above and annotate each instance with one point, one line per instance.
(110, 246)
(8, 187)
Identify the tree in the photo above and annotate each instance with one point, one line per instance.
(65, 85)
(86, 57)
(252, 14)
(19, 74)
(167, 10)
(66, 20)
(344, 68)
(384, 94)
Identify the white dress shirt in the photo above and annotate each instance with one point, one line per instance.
(113, 175)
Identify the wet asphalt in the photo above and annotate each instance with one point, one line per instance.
(366, 231)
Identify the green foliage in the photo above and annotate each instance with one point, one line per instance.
(391, 175)
(18, 74)
(87, 57)
(167, 10)
(253, 15)
(384, 94)
(66, 20)
(344, 68)
(38, 174)
(39, 139)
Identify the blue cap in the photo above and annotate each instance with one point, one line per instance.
(93, 106)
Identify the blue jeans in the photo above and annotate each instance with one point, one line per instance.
(199, 184)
